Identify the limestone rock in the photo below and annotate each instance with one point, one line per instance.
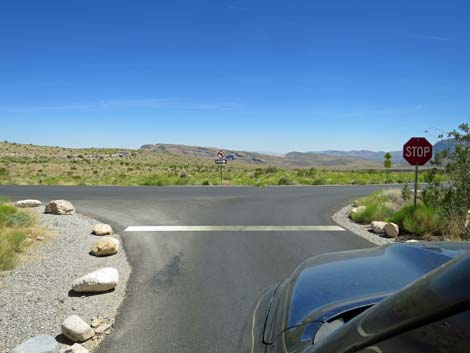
(102, 229)
(391, 230)
(378, 227)
(100, 280)
(27, 203)
(77, 330)
(105, 246)
(60, 207)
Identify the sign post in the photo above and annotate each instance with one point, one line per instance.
(220, 161)
(417, 151)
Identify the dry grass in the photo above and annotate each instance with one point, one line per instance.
(18, 230)
(32, 165)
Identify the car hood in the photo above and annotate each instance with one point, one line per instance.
(326, 285)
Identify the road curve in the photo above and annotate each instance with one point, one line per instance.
(191, 291)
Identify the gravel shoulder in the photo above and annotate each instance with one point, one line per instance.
(342, 219)
(36, 296)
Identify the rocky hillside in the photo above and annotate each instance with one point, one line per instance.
(290, 160)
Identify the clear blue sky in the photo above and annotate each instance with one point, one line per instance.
(276, 75)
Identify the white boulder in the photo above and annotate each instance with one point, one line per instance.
(100, 280)
(38, 344)
(77, 330)
(391, 230)
(102, 229)
(378, 227)
(105, 246)
(60, 207)
(27, 203)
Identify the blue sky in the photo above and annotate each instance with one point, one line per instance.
(255, 75)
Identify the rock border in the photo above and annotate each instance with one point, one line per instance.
(342, 219)
(42, 285)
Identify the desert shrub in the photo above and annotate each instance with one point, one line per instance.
(406, 193)
(271, 170)
(379, 206)
(393, 199)
(285, 181)
(153, 180)
(453, 199)
(422, 220)
(369, 199)
(19, 220)
(11, 239)
(373, 212)
(319, 180)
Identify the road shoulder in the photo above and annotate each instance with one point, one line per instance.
(36, 296)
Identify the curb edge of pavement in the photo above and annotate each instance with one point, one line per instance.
(341, 218)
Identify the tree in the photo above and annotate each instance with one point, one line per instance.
(454, 198)
(388, 164)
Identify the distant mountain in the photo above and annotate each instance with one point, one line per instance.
(291, 159)
(209, 152)
(444, 145)
(397, 156)
(334, 159)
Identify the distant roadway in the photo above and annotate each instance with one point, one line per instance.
(191, 291)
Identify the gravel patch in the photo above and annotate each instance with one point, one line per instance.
(342, 219)
(35, 297)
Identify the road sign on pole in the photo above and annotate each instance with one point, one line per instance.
(220, 162)
(417, 151)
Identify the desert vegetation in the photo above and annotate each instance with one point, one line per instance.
(34, 165)
(443, 210)
(17, 230)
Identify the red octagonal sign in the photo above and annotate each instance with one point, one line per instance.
(417, 151)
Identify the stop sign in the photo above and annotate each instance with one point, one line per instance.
(417, 151)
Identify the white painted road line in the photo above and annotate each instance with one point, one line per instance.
(234, 229)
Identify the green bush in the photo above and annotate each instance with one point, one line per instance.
(422, 220)
(379, 205)
(373, 212)
(285, 181)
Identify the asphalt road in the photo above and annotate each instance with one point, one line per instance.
(192, 291)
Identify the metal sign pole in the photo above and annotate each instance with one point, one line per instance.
(221, 175)
(416, 186)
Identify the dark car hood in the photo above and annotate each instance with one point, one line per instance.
(325, 285)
